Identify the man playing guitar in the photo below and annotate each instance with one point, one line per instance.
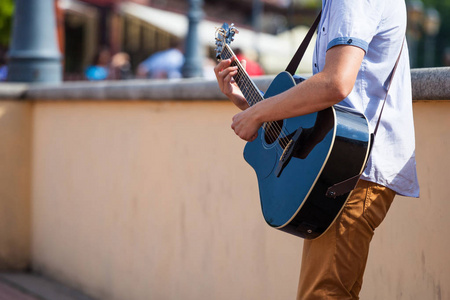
(356, 48)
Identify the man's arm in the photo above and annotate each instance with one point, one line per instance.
(329, 87)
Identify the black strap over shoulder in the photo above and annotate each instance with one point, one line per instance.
(295, 61)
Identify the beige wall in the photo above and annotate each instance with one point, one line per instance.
(410, 258)
(153, 200)
(15, 154)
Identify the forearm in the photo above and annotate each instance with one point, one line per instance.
(320, 91)
(312, 95)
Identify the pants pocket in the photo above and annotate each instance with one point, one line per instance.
(377, 203)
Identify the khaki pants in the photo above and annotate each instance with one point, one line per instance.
(333, 264)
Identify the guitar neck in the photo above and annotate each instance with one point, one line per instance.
(243, 81)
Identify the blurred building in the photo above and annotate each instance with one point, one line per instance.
(143, 27)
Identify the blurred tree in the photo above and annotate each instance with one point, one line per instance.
(6, 14)
(307, 3)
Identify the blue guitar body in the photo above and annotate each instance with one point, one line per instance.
(333, 146)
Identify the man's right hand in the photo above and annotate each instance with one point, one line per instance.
(224, 74)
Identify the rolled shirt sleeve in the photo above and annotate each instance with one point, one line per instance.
(353, 22)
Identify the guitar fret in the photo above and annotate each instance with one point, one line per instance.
(245, 84)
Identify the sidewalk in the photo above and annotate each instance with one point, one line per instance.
(9, 293)
(29, 286)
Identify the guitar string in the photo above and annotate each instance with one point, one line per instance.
(253, 100)
(270, 127)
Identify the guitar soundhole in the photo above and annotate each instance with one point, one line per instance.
(272, 131)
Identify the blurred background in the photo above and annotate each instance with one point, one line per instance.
(121, 178)
(110, 39)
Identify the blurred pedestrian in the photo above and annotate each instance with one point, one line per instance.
(163, 64)
(100, 68)
(252, 67)
(3, 65)
(120, 67)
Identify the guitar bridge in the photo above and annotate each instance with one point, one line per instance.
(285, 153)
(288, 152)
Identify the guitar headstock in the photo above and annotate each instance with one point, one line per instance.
(224, 35)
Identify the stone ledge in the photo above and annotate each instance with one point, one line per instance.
(431, 83)
(427, 84)
(13, 90)
(181, 89)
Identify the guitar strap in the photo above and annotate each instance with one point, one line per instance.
(295, 61)
(347, 185)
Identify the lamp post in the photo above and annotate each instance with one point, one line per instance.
(431, 25)
(193, 65)
(34, 55)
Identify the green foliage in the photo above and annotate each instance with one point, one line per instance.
(311, 4)
(6, 14)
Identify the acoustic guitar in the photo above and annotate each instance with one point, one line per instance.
(297, 160)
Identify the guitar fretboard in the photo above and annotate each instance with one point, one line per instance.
(245, 84)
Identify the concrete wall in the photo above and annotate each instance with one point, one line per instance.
(15, 164)
(410, 257)
(153, 200)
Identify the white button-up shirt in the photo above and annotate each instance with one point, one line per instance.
(378, 27)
